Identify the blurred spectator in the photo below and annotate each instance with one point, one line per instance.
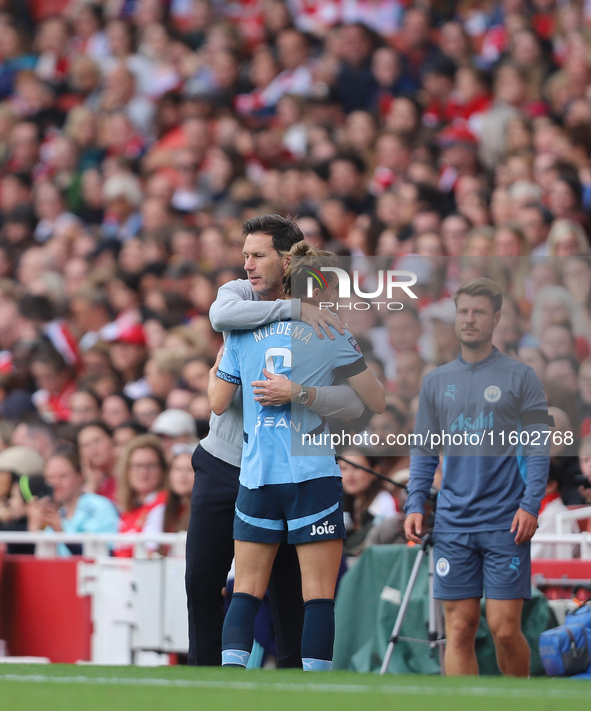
(366, 503)
(180, 485)
(585, 465)
(115, 410)
(97, 459)
(174, 427)
(56, 382)
(35, 433)
(142, 496)
(551, 506)
(409, 370)
(566, 238)
(146, 410)
(85, 407)
(354, 87)
(124, 433)
(18, 466)
(70, 508)
(388, 426)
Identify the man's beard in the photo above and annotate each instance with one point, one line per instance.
(474, 345)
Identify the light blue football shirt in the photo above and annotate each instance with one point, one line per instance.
(93, 514)
(273, 435)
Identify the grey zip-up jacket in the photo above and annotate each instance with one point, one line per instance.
(239, 307)
(487, 405)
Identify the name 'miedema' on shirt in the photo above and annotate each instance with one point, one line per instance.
(298, 332)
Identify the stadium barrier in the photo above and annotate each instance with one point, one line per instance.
(108, 610)
(95, 545)
(95, 608)
(581, 514)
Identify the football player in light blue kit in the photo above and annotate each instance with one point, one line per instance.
(287, 490)
(491, 490)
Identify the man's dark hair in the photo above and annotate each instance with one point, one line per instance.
(284, 232)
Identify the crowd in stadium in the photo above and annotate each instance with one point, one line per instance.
(136, 136)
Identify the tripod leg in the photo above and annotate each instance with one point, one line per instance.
(432, 605)
(402, 611)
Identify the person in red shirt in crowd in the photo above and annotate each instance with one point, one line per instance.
(438, 82)
(141, 491)
(56, 382)
(470, 98)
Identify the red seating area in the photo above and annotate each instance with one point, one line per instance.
(579, 571)
(41, 614)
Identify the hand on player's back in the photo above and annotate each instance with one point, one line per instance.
(275, 391)
(321, 320)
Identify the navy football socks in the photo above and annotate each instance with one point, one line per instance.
(318, 635)
(238, 631)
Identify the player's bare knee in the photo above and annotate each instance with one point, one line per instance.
(461, 632)
(506, 634)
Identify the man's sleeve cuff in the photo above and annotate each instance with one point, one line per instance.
(529, 509)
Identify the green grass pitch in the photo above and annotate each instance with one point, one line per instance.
(91, 688)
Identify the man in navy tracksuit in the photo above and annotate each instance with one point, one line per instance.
(490, 413)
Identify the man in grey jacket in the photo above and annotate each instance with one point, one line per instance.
(242, 305)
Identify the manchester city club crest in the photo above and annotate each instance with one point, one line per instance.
(442, 566)
(492, 393)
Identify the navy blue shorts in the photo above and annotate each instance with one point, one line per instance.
(297, 513)
(467, 562)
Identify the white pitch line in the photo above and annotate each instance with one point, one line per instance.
(478, 691)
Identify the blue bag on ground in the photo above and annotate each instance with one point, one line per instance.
(565, 650)
(580, 616)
